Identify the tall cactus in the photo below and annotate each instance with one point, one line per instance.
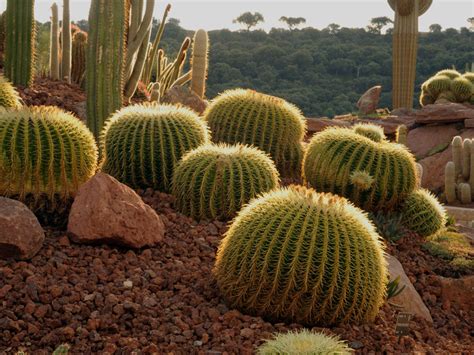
(54, 44)
(66, 43)
(405, 38)
(78, 60)
(199, 63)
(20, 42)
(105, 60)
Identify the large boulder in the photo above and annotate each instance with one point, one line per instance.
(21, 235)
(369, 101)
(444, 113)
(107, 211)
(431, 139)
(409, 299)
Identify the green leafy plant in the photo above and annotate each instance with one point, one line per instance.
(62, 349)
(389, 225)
(267, 122)
(334, 155)
(8, 95)
(215, 181)
(393, 288)
(301, 256)
(143, 143)
(303, 342)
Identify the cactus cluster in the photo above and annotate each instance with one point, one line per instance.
(45, 152)
(215, 181)
(447, 85)
(459, 173)
(267, 122)
(422, 213)
(8, 95)
(373, 173)
(301, 256)
(143, 143)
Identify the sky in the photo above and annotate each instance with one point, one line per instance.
(218, 14)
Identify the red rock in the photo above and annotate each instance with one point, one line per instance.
(458, 291)
(315, 125)
(4, 290)
(444, 113)
(369, 100)
(424, 139)
(21, 235)
(105, 210)
(247, 333)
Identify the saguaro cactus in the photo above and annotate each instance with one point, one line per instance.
(66, 43)
(54, 45)
(199, 63)
(459, 173)
(105, 60)
(405, 37)
(20, 41)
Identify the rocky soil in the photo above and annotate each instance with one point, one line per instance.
(107, 300)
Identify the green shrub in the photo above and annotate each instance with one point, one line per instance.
(301, 256)
(215, 181)
(8, 95)
(143, 143)
(422, 213)
(337, 159)
(267, 122)
(303, 342)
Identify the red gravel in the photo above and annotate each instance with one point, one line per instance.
(102, 299)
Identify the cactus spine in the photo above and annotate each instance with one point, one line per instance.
(105, 60)
(20, 42)
(199, 63)
(54, 45)
(405, 38)
(66, 43)
(459, 173)
(78, 60)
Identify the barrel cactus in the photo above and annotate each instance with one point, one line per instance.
(448, 85)
(337, 159)
(304, 342)
(8, 95)
(301, 256)
(143, 143)
(45, 152)
(215, 181)
(422, 213)
(267, 122)
(373, 132)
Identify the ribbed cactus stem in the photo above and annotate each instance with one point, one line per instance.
(199, 63)
(471, 171)
(78, 67)
(105, 59)
(54, 45)
(20, 42)
(466, 158)
(450, 182)
(132, 83)
(457, 156)
(419, 174)
(465, 193)
(66, 43)
(405, 37)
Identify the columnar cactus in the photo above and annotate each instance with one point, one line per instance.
(199, 63)
(402, 135)
(8, 95)
(405, 45)
(66, 43)
(105, 60)
(374, 175)
(142, 144)
(301, 256)
(78, 61)
(44, 152)
(215, 181)
(459, 173)
(267, 122)
(20, 42)
(447, 85)
(422, 213)
(54, 48)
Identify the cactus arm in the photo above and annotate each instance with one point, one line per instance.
(132, 82)
(66, 43)
(54, 47)
(183, 79)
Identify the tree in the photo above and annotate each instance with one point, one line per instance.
(435, 28)
(333, 28)
(292, 22)
(250, 20)
(471, 21)
(377, 24)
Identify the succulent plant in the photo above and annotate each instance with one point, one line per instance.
(459, 173)
(54, 46)
(267, 122)
(78, 65)
(401, 135)
(215, 181)
(438, 84)
(450, 73)
(335, 154)
(20, 42)
(45, 152)
(422, 213)
(66, 43)
(8, 95)
(449, 85)
(462, 88)
(469, 76)
(143, 143)
(373, 132)
(303, 342)
(300, 256)
(199, 63)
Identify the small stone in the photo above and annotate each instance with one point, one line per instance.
(197, 343)
(247, 333)
(128, 284)
(356, 344)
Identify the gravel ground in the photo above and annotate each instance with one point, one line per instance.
(102, 299)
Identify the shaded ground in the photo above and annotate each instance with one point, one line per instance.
(164, 299)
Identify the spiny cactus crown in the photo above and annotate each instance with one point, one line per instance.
(297, 255)
(371, 131)
(8, 95)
